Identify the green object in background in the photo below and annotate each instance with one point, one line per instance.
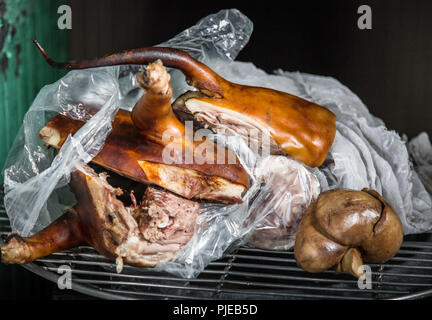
(23, 71)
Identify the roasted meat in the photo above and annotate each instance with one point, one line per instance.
(346, 228)
(144, 233)
(138, 148)
(107, 215)
(166, 218)
(294, 126)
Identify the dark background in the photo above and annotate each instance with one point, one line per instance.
(388, 67)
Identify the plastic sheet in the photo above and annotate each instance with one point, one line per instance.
(292, 187)
(271, 201)
(365, 153)
(35, 177)
(420, 149)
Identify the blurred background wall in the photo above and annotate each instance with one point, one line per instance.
(388, 67)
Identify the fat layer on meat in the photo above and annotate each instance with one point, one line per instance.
(226, 122)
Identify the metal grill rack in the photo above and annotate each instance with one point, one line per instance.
(246, 273)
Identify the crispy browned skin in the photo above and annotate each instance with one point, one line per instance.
(302, 129)
(124, 146)
(78, 226)
(153, 115)
(137, 142)
(345, 228)
(63, 234)
(134, 149)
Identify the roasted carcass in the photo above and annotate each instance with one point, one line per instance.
(141, 142)
(154, 228)
(346, 228)
(294, 126)
(136, 149)
(141, 234)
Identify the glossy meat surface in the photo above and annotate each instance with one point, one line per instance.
(345, 228)
(300, 128)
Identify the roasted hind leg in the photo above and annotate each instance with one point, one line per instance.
(295, 126)
(62, 234)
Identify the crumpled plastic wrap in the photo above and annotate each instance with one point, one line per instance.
(420, 149)
(365, 153)
(34, 177)
(266, 204)
(292, 188)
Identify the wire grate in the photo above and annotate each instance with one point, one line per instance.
(246, 273)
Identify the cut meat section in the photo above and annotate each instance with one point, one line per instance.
(142, 234)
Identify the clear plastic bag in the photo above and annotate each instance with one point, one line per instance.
(34, 176)
(291, 189)
(267, 204)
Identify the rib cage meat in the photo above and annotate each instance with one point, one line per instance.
(141, 234)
